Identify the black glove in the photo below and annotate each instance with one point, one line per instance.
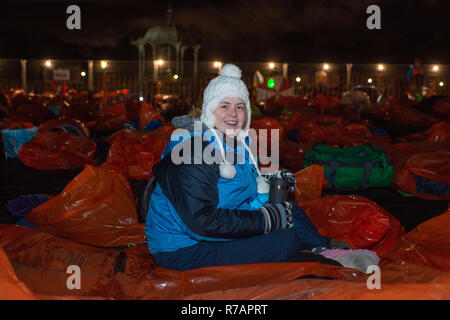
(277, 216)
(286, 175)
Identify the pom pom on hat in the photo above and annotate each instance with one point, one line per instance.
(230, 70)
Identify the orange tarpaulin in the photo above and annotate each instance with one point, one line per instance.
(97, 208)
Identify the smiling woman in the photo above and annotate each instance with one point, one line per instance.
(208, 214)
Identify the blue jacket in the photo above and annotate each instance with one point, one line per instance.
(192, 203)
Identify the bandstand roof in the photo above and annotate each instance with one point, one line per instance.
(162, 34)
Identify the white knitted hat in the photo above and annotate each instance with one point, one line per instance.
(227, 85)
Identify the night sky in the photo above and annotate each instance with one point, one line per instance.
(238, 31)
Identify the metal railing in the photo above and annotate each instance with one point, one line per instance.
(308, 78)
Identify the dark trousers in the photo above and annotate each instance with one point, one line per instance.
(307, 233)
(276, 246)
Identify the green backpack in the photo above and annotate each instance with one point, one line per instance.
(352, 168)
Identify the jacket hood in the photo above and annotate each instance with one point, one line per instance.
(187, 123)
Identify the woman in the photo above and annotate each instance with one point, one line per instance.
(209, 206)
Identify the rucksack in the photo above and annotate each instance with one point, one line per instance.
(352, 168)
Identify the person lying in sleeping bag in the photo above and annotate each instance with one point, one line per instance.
(210, 204)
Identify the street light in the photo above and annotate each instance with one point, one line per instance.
(441, 84)
(48, 63)
(380, 67)
(156, 65)
(175, 77)
(104, 65)
(369, 80)
(298, 79)
(271, 65)
(435, 68)
(325, 66)
(218, 66)
(83, 74)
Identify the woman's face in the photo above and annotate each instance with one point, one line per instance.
(230, 116)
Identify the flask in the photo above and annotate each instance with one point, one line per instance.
(278, 190)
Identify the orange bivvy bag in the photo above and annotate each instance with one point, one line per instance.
(96, 208)
(58, 150)
(309, 183)
(356, 220)
(426, 176)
